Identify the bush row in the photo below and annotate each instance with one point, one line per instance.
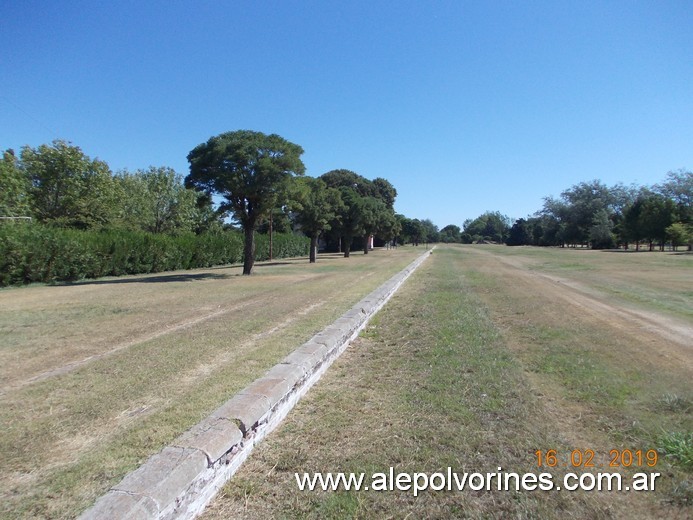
(37, 253)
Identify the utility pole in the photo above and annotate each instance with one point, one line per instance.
(270, 238)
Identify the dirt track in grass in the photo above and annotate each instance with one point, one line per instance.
(583, 295)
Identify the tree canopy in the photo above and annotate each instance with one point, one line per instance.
(69, 188)
(368, 208)
(250, 170)
(316, 209)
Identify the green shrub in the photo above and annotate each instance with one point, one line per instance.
(32, 252)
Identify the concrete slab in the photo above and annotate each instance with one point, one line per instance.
(165, 475)
(213, 436)
(247, 409)
(292, 373)
(273, 388)
(116, 504)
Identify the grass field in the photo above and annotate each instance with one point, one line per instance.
(97, 376)
(486, 355)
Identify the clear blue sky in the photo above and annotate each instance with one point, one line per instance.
(465, 106)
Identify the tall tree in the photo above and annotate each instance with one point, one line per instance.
(316, 208)
(384, 191)
(349, 221)
(679, 188)
(492, 226)
(157, 201)
(250, 170)
(14, 187)
(68, 187)
(450, 234)
(601, 236)
(374, 215)
(520, 233)
(658, 213)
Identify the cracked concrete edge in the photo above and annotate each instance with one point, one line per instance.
(180, 480)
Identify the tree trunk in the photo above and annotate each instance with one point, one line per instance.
(365, 244)
(313, 248)
(347, 246)
(249, 249)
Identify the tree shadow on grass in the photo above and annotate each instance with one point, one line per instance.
(644, 251)
(177, 277)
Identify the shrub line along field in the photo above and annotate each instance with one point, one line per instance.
(482, 359)
(97, 376)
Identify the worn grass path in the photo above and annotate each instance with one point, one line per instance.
(475, 364)
(97, 376)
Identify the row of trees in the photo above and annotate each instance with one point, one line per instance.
(595, 215)
(258, 179)
(59, 185)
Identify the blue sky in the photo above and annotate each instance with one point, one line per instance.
(465, 106)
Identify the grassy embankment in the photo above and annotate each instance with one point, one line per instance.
(480, 360)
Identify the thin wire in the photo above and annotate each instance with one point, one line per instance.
(27, 114)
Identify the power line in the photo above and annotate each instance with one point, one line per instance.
(30, 116)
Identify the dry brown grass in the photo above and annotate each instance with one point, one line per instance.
(478, 361)
(97, 376)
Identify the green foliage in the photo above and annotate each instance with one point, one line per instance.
(413, 230)
(251, 171)
(156, 200)
(284, 245)
(14, 187)
(69, 188)
(679, 234)
(600, 236)
(520, 234)
(367, 210)
(451, 234)
(39, 253)
(492, 226)
(679, 188)
(648, 218)
(678, 447)
(316, 206)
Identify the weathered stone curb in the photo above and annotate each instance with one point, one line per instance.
(180, 480)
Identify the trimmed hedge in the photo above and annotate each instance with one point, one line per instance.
(31, 252)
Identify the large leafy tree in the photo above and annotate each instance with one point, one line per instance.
(679, 187)
(413, 230)
(374, 216)
(520, 234)
(14, 187)
(658, 213)
(368, 207)
(450, 234)
(349, 221)
(492, 225)
(250, 170)
(156, 200)
(316, 207)
(67, 187)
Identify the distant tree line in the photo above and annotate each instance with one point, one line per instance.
(66, 216)
(591, 214)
